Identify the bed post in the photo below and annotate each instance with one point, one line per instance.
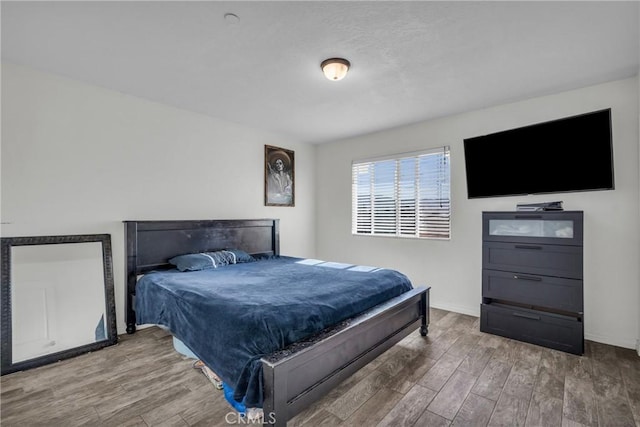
(424, 305)
(276, 237)
(131, 255)
(274, 404)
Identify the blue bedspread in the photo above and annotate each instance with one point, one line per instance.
(232, 316)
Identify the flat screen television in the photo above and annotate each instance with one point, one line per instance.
(565, 155)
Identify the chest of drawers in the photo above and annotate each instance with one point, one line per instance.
(532, 278)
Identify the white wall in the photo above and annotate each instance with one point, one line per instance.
(80, 159)
(453, 268)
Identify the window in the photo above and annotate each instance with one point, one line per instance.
(406, 195)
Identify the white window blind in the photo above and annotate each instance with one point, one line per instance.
(408, 195)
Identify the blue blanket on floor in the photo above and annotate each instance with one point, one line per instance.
(232, 316)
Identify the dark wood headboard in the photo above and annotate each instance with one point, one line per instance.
(150, 244)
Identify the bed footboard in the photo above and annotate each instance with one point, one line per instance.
(295, 381)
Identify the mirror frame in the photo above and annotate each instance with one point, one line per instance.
(6, 364)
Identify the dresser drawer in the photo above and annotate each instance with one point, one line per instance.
(554, 228)
(547, 260)
(536, 290)
(546, 329)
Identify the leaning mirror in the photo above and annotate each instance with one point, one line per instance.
(57, 299)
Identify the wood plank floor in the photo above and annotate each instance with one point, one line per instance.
(456, 376)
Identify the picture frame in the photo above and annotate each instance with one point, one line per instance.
(279, 176)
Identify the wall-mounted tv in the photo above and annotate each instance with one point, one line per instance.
(565, 155)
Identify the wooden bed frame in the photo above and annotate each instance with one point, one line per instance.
(297, 376)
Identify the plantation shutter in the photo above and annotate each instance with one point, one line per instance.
(407, 195)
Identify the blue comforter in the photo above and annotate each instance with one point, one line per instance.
(232, 316)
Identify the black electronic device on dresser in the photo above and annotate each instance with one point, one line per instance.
(532, 277)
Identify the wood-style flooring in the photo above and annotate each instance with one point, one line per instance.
(456, 376)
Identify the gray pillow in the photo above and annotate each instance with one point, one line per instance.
(207, 260)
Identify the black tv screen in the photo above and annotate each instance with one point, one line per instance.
(565, 155)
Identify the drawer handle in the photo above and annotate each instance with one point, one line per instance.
(528, 247)
(526, 316)
(533, 278)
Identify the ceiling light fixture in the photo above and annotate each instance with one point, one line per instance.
(335, 68)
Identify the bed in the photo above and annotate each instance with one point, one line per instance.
(303, 369)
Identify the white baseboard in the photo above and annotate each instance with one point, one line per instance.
(456, 308)
(611, 341)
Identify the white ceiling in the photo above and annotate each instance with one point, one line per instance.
(411, 61)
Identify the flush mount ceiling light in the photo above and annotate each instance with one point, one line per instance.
(335, 68)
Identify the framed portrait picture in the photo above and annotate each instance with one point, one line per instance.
(279, 176)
